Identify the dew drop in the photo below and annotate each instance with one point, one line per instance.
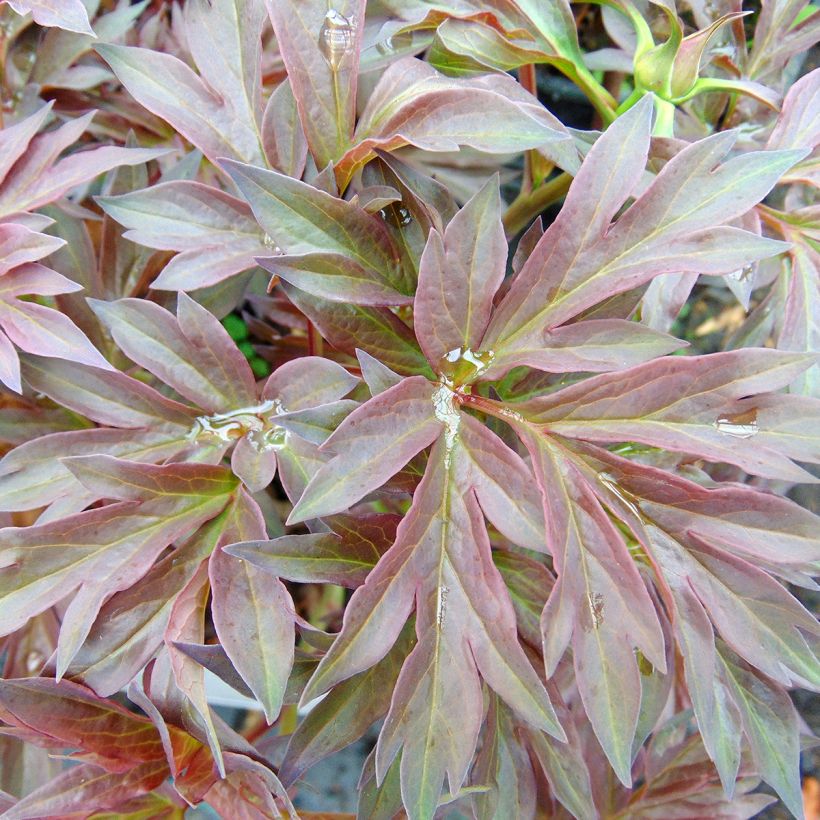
(396, 215)
(34, 662)
(596, 608)
(461, 365)
(336, 38)
(444, 406)
(738, 425)
(441, 605)
(268, 242)
(234, 424)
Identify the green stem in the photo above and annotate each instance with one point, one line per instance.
(665, 119)
(529, 204)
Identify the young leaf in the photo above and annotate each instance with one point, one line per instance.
(320, 48)
(218, 111)
(70, 15)
(582, 258)
(253, 616)
(711, 411)
(214, 232)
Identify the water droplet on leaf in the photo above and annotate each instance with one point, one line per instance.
(336, 38)
(462, 365)
(738, 425)
(444, 406)
(441, 605)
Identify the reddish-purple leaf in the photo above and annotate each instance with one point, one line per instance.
(220, 111)
(672, 227)
(377, 453)
(704, 405)
(459, 274)
(253, 616)
(203, 223)
(344, 556)
(191, 353)
(107, 397)
(599, 602)
(415, 105)
(321, 48)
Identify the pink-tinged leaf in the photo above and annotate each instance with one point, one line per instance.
(253, 462)
(296, 464)
(70, 15)
(704, 405)
(254, 618)
(593, 345)
(369, 450)
(459, 274)
(39, 177)
(105, 396)
(206, 368)
(14, 139)
(25, 189)
(415, 105)
(19, 245)
(9, 365)
(502, 764)
(69, 715)
(756, 616)
(87, 788)
(302, 219)
(308, 382)
(504, 485)
(31, 476)
(282, 136)
(377, 330)
(377, 376)
(196, 219)
(800, 329)
(756, 525)
(131, 623)
(465, 624)
(131, 481)
(218, 112)
(599, 602)
(798, 125)
(346, 713)
(770, 723)
(335, 277)
(320, 48)
(567, 772)
(672, 227)
(47, 332)
(344, 556)
(315, 424)
(186, 623)
(104, 550)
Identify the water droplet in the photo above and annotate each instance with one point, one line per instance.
(446, 410)
(461, 365)
(268, 242)
(738, 425)
(396, 215)
(234, 424)
(336, 38)
(596, 608)
(511, 414)
(741, 275)
(34, 662)
(441, 605)
(612, 485)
